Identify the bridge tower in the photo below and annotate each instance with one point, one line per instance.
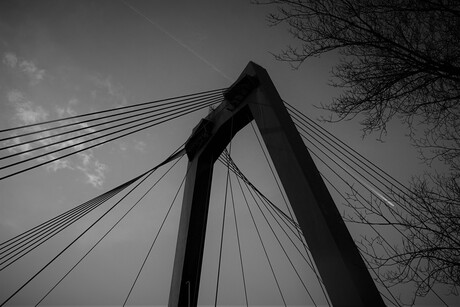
(254, 97)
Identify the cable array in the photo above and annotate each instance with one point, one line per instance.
(139, 179)
(156, 236)
(228, 162)
(360, 167)
(261, 201)
(17, 247)
(37, 142)
(381, 185)
(309, 137)
(309, 130)
(299, 234)
(111, 228)
(40, 141)
(223, 219)
(235, 219)
(180, 98)
(263, 247)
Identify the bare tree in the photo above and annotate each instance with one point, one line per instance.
(398, 59)
(426, 222)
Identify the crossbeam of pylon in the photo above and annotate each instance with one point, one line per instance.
(253, 96)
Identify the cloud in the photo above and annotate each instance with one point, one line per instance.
(26, 67)
(26, 111)
(139, 145)
(15, 96)
(87, 127)
(30, 114)
(92, 168)
(122, 146)
(114, 91)
(30, 69)
(19, 148)
(85, 158)
(10, 59)
(59, 164)
(60, 111)
(68, 110)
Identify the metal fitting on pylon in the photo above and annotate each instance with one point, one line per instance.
(236, 93)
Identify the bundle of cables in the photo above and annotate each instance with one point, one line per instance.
(30, 146)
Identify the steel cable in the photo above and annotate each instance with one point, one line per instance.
(174, 116)
(45, 224)
(262, 243)
(24, 243)
(359, 194)
(106, 233)
(239, 244)
(170, 105)
(149, 118)
(235, 169)
(409, 210)
(156, 237)
(25, 246)
(394, 212)
(145, 175)
(105, 111)
(284, 250)
(223, 218)
(300, 236)
(271, 208)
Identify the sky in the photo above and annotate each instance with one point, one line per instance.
(64, 58)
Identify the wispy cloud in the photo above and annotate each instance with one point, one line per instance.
(92, 168)
(114, 91)
(84, 88)
(28, 112)
(19, 148)
(30, 69)
(68, 110)
(122, 146)
(60, 164)
(26, 67)
(177, 40)
(139, 145)
(10, 59)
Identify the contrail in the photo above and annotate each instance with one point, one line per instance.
(177, 40)
(377, 193)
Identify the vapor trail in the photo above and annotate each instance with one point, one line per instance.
(177, 40)
(377, 193)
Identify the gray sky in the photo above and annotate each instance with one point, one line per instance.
(61, 58)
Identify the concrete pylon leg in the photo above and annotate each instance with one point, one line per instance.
(192, 229)
(205, 145)
(336, 256)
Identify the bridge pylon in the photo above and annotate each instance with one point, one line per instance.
(254, 97)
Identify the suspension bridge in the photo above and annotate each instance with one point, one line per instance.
(304, 224)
